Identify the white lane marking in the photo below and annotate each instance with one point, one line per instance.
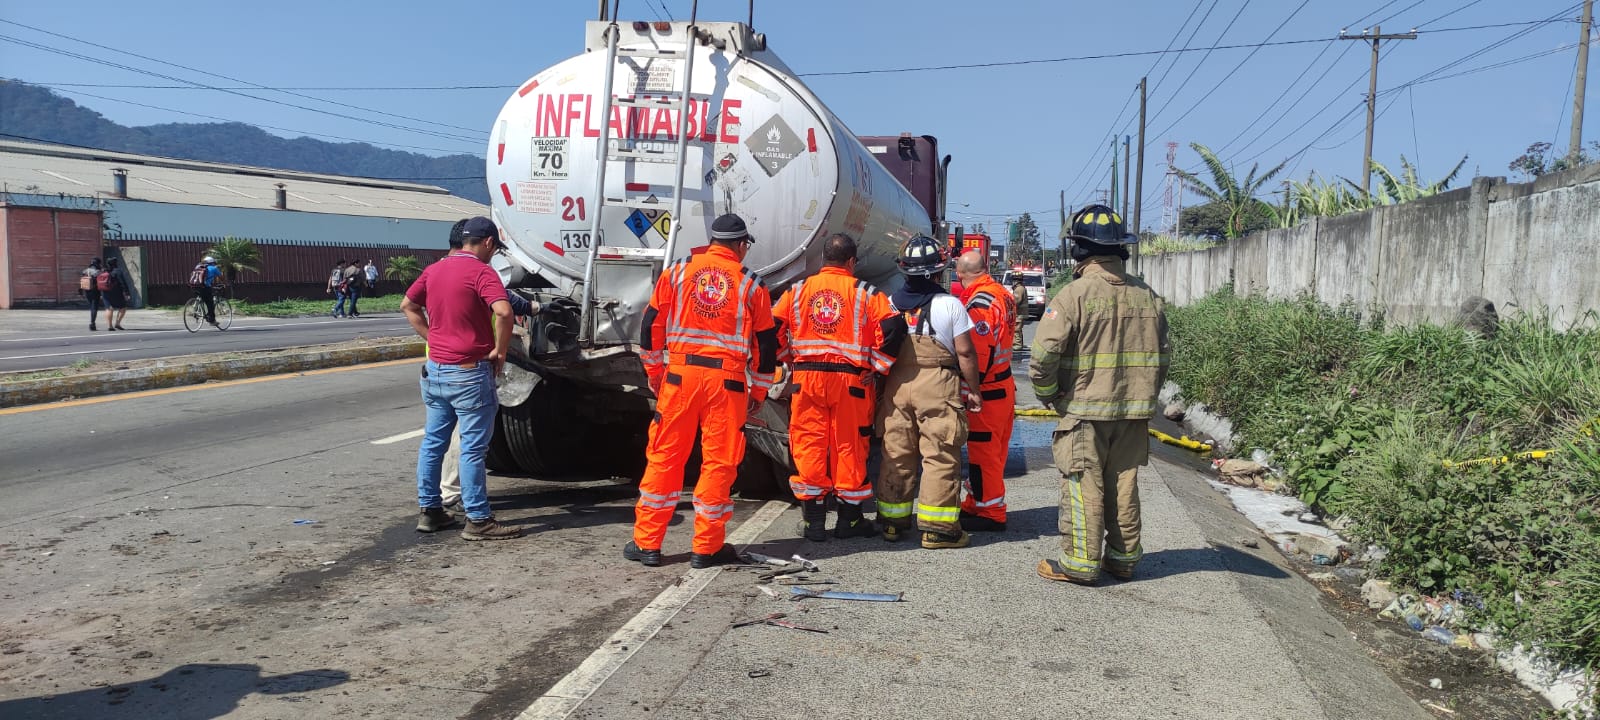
(350, 321)
(565, 697)
(78, 352)
(399, 438)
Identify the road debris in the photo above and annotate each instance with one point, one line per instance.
(305, 522)
(759, 673)
(807, 564)
(759, 559)
(801, 593)
(776, 619)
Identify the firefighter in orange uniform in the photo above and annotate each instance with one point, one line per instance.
(838, 334)
(993, 312)
(707, 315)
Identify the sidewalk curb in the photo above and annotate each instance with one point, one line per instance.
(178, 373)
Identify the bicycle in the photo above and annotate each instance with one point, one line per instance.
(194, 313)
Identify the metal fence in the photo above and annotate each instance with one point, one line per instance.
(170, 258)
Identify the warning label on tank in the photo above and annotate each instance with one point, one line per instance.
(774, 145)
(654, 78)
(549, 156)
(536, 197)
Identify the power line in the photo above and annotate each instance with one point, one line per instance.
(1231, 73)
(1135, 53)
(1196, 31)
(1448, 14)
(1401, 12)
(232, 79)
(391, 88)
(258, 125)
(129, 68)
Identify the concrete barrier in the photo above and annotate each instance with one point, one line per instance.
(195, 370)
(1529, 246)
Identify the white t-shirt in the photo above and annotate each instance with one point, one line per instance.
(948, 319)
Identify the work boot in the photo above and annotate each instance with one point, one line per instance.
(979, 523)
(488, 529)
(648, 558)
(726, 555)
(814, 519)
(1120, 572)
(435, 519)
(939, 541)
(1052, 570)
(851, 522)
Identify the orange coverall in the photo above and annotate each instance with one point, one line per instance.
(830, 332)
(994, 313)
(705, 317)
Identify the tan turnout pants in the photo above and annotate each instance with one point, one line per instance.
(924, 426)
(1099, 462)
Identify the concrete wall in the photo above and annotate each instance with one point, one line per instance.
(1526, 247)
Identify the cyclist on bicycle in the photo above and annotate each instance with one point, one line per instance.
(206, 278)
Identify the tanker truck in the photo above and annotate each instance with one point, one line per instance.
(610, 164)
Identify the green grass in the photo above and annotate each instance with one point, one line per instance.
(307, 308)
(1363, 417)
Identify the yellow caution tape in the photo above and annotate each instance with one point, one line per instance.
(1184, 442)
(1503, 459)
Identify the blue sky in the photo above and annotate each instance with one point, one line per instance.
(1019, 133)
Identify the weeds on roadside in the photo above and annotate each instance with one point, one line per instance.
(1363, 417)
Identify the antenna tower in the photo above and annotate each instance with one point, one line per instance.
(1169, 194)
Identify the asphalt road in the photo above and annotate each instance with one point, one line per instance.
(151, 565)
(43, 339)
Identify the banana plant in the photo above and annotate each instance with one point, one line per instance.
(1239, 197)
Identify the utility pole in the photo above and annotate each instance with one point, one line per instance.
(1576, 143)
(1375, 37)
(1112, 198)
(1138, 183)
(1127, 170)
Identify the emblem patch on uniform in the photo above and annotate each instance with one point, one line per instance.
(827, 311)
(1050, 313)
(710, 290)
(982, 327)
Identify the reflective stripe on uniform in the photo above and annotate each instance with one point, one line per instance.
(1050, 390)
(652, 500)
(992, 502)
(1080, 533)
(894, 510)
(800, 488)
(1092, 408)
(712, 512)
(1129, 557)
(1107, 361)
(1083, 566)
(937, 513)
(856, 496)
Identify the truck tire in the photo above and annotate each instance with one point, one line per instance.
(499, 458)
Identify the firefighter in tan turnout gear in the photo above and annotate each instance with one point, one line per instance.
(1100, 355)
(921, 415)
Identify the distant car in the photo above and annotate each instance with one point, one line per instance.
(1033, 282)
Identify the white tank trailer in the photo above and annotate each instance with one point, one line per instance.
(601, 168)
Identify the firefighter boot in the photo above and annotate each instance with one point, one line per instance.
(814, 519)
(851, 522)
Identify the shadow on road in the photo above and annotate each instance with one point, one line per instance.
(186, 692)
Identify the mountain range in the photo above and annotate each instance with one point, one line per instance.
(34, 113)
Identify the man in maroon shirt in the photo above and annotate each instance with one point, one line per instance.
(450, 306)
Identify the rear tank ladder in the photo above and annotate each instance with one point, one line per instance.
(684, 58)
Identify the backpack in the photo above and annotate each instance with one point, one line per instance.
(105, 282)
(197, 276)
(86, 282)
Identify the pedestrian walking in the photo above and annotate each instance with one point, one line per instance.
(337, 288)
(838, 334)
(450, 306)
(921, 419)
(88, 285)
(371, 271)
(993, 313)
(355, 280)
(1100, 355)
(708, 313)
(1019, 293)
(114, 291)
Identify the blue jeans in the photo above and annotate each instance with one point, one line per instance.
(338, 307)
(355, 294)
(453, 394)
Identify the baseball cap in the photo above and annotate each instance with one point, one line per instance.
(730, 228)
(480, 227)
